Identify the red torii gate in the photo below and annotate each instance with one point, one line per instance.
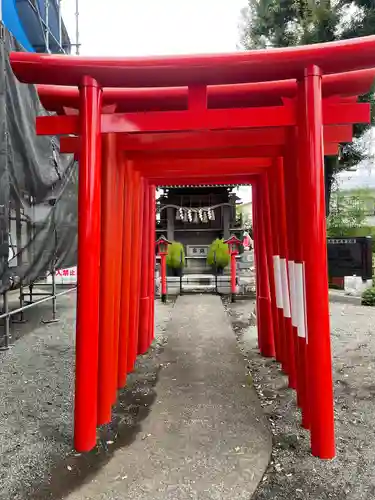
(130, 140)
(127, 100)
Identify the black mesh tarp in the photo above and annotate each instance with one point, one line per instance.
(38, 186)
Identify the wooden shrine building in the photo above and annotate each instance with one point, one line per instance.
(195, 217)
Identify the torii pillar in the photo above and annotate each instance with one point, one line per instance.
(89, 220)
(314, 248)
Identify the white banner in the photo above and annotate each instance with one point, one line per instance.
(285, 287)
(292, 289)
(278, 285)
(300, 298)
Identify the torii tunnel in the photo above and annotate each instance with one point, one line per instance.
(263, 118)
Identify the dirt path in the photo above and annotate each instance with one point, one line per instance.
(293, 473)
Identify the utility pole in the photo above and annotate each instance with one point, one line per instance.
(77, 28)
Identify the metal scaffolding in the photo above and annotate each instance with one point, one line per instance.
(22, 232)
(21, 217)
(53, 36)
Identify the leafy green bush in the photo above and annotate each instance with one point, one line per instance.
(176, 255)
(218, 254)
(368, 297)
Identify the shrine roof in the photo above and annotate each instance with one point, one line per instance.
(210, 69)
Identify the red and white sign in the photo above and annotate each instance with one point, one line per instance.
(64, 276)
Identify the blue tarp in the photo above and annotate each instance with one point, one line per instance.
(12, 22)
(25, 18)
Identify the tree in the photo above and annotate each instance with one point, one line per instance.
(347, 215)
(284, 23)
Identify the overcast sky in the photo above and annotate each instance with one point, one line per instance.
(364, 175)
(145, 27)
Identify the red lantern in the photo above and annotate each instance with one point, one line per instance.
(162, 249)
(234, 247)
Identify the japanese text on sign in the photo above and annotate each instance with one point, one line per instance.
(64, 276)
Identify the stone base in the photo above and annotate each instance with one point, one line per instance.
(205, 283)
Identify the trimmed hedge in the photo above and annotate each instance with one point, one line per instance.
(218, 254)
(176, 255)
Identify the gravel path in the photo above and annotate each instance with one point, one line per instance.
(36, 459)
(36, 405)
(293, 473)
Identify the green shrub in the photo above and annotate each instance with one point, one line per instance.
(174, 260)
(368, 297)
(219, 250)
